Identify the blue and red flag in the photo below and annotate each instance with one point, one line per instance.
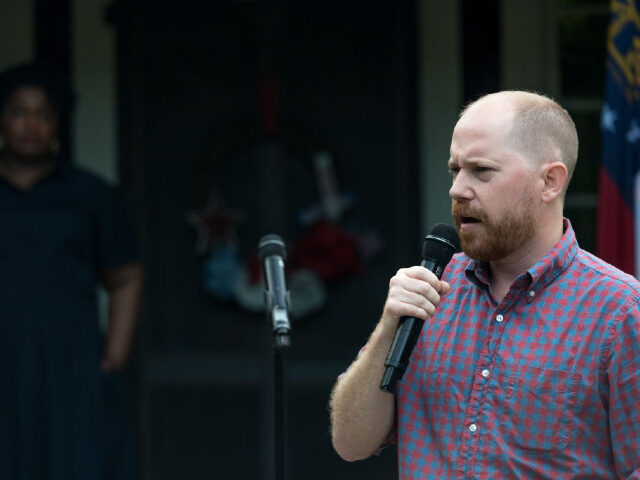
(619, 184)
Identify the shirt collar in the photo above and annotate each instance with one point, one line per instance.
(539, 275)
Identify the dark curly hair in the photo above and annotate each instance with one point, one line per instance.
(44, 76)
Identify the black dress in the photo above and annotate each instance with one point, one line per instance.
(59, 415)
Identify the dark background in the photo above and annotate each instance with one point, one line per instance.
(344, 79)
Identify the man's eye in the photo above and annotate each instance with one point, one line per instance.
(454, 171)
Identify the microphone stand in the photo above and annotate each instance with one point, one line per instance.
(281, 341)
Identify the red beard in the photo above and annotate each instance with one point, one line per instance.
(495, 239)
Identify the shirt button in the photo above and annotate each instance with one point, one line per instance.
(485, 373)
(532, 293)
(473, 427)
(499, 318)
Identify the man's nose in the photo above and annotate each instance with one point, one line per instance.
(461, 188)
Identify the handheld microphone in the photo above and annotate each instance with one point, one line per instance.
(439, 245)
(272, 254)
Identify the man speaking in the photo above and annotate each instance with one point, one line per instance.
(528, 363)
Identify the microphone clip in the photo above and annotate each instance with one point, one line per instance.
(279, 318)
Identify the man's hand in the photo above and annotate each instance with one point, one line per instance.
(413, 292)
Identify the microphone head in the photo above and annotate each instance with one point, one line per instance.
(441, 243)
(271, 244)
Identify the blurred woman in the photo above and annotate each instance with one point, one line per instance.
(62, 231)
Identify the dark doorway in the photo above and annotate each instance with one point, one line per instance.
(236, 98)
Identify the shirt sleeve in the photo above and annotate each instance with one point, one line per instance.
(116, 245)
(624, 393)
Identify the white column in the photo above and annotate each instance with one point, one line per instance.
(16, 32)
(94, 79)
(439, 97)
(528, 51)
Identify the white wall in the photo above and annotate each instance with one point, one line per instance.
(94, 77)
(528, 53)
(439, 97)
(16, 32)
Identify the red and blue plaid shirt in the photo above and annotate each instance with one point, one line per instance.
(543, 385)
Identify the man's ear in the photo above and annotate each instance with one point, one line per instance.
(555, 177)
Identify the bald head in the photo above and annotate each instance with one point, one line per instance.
(539, 128)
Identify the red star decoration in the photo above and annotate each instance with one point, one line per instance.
(214, 224)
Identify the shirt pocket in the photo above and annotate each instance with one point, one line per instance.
(538, 408)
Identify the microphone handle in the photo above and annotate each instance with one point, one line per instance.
(404, 341)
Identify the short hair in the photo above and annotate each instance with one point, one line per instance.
(541, 128)
(41, 75)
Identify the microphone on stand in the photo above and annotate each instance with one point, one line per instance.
(277, 302)
(439, 245)
(272, 254)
